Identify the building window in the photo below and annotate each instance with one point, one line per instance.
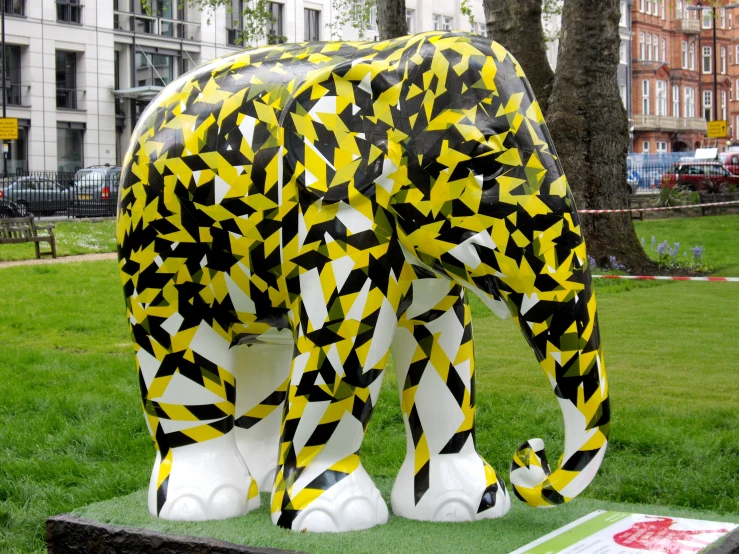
(312, 20)
(645, 97)
(622, 91)
(10, 63)
(736, 128)
(442, 22)
(662, 7)
(275, 34)
(372, 23)
(624, 15)
(707, 105)
(655, 42)
(235, 32)
(649, 47)
(482, 29)
(707, 18)
(154, 69)
(736, 55)
(69, 149)
(689, 102)
(66, 80)
(723, 106)
(737, 89)
(14, 7)
(685, 54)
(410, 15)
(641, 6)
(649, 7)
(622, 53)
(661, 147)
(723, 18)
(675, 101)
(69, 11)
(723, 60)
(679, 9)
(645, 147)
(692, 56)
(661, 98)
(641, 47)
(707, 59)
(664, 50)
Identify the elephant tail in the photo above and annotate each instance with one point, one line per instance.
(585, 445)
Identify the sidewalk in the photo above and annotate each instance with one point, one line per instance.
(62, 260)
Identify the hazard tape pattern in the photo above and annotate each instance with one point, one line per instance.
(728, 203)
(669, 278)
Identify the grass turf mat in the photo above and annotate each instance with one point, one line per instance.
(72, 432)
(521, 526)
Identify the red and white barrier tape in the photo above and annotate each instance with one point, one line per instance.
(658, 209)
(669, 278)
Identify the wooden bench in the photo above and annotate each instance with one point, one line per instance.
(24, 229)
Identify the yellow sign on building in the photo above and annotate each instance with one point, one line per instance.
(8, 128)
(717, 129)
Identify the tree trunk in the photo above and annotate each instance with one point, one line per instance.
(516, 24)
(589, 126)
(391, 19)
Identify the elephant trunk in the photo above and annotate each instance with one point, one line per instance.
(567, 343)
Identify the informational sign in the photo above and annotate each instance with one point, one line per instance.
(8, 128)
(621, 533)
(717, 129)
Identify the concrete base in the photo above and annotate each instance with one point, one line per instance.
(68, 534)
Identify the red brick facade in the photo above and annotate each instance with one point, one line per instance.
(672, 67)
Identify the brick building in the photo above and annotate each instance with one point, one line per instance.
(673, 62)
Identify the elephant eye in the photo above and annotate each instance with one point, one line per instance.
(484, 163)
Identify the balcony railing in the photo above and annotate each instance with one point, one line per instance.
(151, 25)
(667, 123)
(692, 124)
(17, 95)
(690, 26)
(69, 11)
(69, 98)
(14, 7)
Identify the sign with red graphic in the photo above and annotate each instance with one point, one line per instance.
(621, 533)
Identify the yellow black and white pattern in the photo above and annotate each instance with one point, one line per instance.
(332, 199)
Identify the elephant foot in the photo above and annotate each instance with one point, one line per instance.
(456, 487)
(352, 504)
(207, 480)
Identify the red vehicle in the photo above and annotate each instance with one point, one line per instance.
(730, 161)
(708, 176)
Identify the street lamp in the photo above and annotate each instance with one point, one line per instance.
(700, 8)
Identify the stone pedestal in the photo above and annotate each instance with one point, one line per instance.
(68, 534)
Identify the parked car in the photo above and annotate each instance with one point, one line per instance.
(730, 161)
(708, 176)
(36, 194)
(95, 191)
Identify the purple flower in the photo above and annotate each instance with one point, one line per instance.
(591, 262)
(697, 252)
(643, 241)
(654, 241)
(677, 248)
(661, 248)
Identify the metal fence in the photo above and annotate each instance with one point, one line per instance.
(648, 173)
(87, 193)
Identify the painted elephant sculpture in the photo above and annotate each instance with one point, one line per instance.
(291, 214)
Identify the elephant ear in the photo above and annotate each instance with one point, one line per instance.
(336, 131)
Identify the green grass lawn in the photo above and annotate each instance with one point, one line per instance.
(710, 232)
(72, 237)
(71, 431)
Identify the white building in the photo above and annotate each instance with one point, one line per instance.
(79, 73)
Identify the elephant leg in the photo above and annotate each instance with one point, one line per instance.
(262, 373)
(335, 382)
(188, 393)
(443, 478)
